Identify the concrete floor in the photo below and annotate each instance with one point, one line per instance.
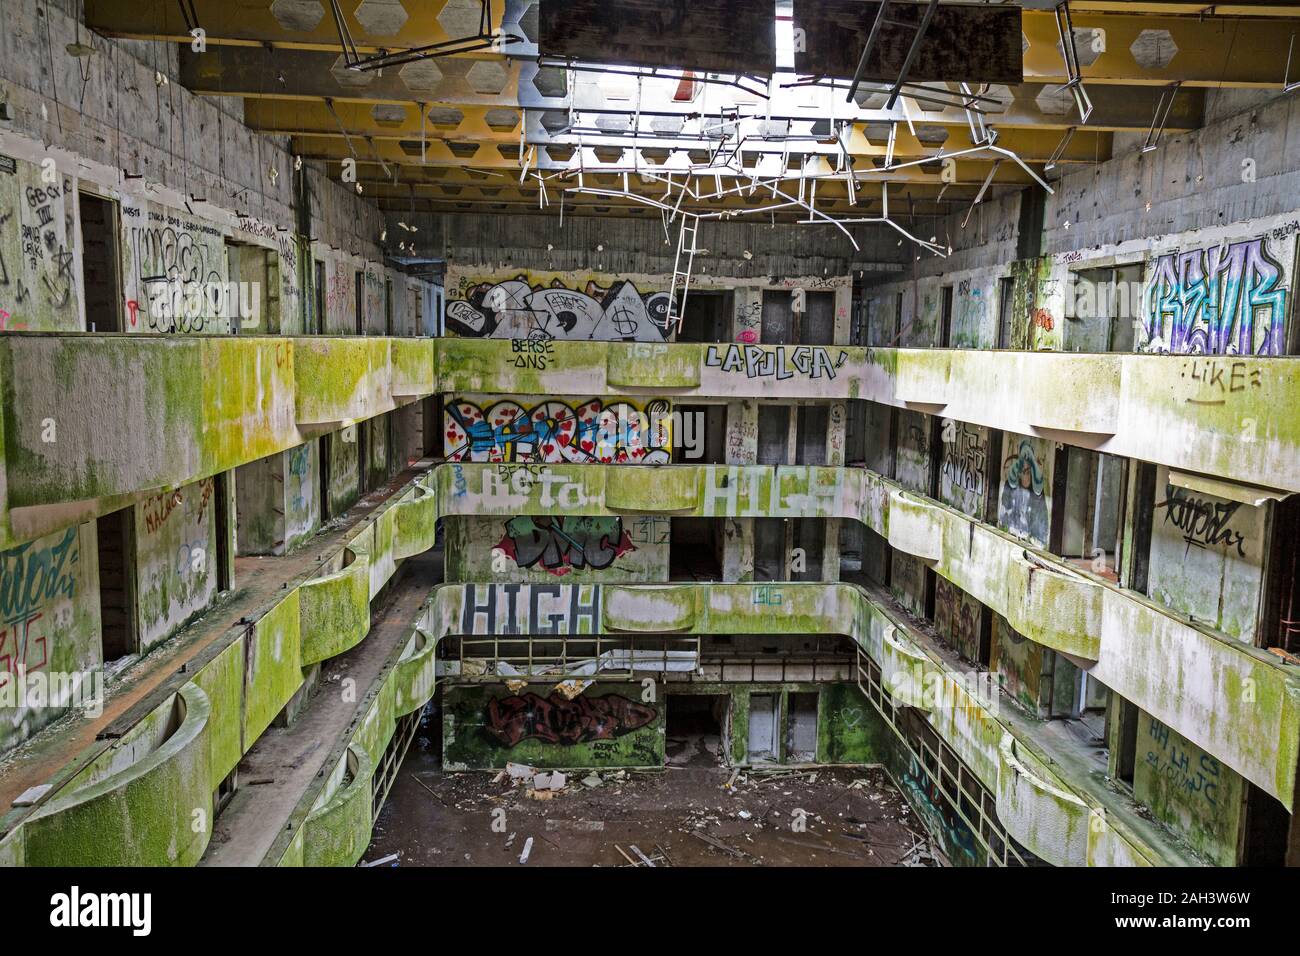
(434, 818)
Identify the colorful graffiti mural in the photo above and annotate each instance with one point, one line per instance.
(516, 309)
(558, 720)
(33, 578)
(1224, 299)
(1022, 509)
(561, 545)
(558, 430)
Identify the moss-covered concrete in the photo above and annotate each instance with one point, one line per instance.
(157, 810)
(120, 418)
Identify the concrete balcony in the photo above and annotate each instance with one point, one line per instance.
(338, 828)
(414, 680)
(335, 608)
(120, 417)
(1055, 606)
(136, 804)
(1048, 819)
(1223, 416)
(914, 526)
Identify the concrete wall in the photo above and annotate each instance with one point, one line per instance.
(606, 725)
(176, 559)
(49, 628)
(545, 548)
(1188, 789)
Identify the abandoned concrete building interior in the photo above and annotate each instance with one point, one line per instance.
(648, 434)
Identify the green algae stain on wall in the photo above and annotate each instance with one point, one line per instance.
(1200, 798)
(546, 549)
(49, 629)
(848, 728)
(176, 559)
(39, 289)
(608, 725)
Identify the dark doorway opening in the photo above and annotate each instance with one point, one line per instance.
(1282, 590)
(694, 729)
(705, 317)
(695, 549)
(318, 312)
(773, 434)
(1006, 312)
(361, 303)
(801, 728)
(326, 463)
(1267, 825)
(116, 545)
(945, 319)
(778, 319)
(221, 494)
(810, 434)
(100, 263)
(817, 325)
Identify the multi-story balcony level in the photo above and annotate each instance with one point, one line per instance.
(610, 419)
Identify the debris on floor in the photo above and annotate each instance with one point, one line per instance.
(679, 816)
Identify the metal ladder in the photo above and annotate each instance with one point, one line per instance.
(682, 278)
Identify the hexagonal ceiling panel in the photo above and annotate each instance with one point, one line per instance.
(487, 76)
(460, 18)
(1154, 49)
(445, 117)
(1053, 101)
(350, 79)
(383, 18)
(422, 76)
(1089, 43)
(388, 114)
(304, 15)
(501, 120)
(552, 81)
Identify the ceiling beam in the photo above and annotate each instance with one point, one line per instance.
(294, 26)
(245, 71)
(1137, 50)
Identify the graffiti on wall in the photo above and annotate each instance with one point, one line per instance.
(957, 618)
(964, 466)
(33, 577)
(1022, 509)
(1203, 523)
(168, 252)
(970, 317)
(1224, 299)
(37, 275)
(530, 609)
(561, 545)
(1196, 775)
(557, 431)
(756, 361)
(514, 309)
(930, 801)
(558, 720)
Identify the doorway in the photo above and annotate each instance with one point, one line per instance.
(801, 729)
(100, 263)
(694, 729)
(764, 716)
(115, 534)
(318, 316)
